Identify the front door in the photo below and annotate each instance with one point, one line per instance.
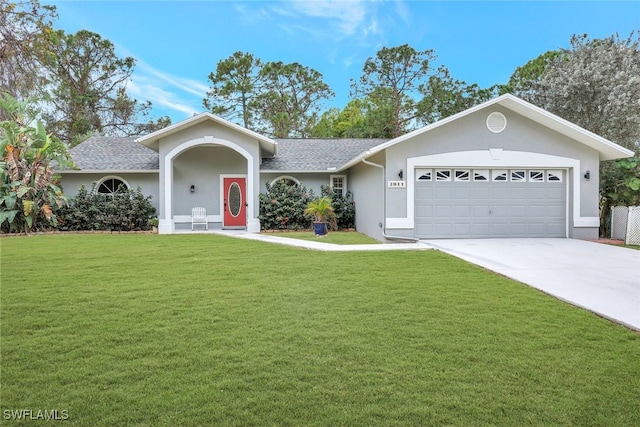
(234, 202)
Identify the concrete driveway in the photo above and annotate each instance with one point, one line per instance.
(602, 278)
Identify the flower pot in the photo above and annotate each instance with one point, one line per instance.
(320, 228)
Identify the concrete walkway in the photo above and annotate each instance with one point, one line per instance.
(601, 278)
(319, 245)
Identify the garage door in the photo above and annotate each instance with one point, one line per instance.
(476, 203)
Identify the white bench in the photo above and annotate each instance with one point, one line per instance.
(199, 217)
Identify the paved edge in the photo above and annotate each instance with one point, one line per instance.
(321, 246)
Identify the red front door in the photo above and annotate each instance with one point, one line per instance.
(235, 202)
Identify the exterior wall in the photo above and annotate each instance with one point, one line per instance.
(201, 167)
(148, 183)
(470, 133)
(366, 183)
(310, 180)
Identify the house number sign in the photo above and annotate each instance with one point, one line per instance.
(396, 184)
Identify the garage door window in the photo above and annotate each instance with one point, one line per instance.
(554, 176)
(518, 176)
(462, 175)
(498, 175)
(481, 175)
(536, 176)
(443, 175)
(424, 174)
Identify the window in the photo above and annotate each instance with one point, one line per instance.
(481, 175)
(518, 176)
(443, 175)
(536, 176)
(288, 180)
(462, 175)
(339, 184)
(554, 176)
(499, 175)
(109, 186)
(424, 175)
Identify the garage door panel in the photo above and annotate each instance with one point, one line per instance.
(443, 230)
(500, 193)
(462, 211)
(443, 193)
(443, 211)
(462, 193)
(450, 209)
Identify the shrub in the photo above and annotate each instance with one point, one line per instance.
(126, 210)
(282, 207)
(344, 207)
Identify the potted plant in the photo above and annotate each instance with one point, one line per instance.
(322, 213)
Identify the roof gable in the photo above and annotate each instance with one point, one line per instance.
(151, 140)
(608, 150)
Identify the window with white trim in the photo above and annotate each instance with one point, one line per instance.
(424, 174)
(536, 176)
(498, 175)
(481, 175)
(109, 186)
(518, 176)
(339, 184)
(443, 174)
(462, 175)
(554, 176)
(288, 180)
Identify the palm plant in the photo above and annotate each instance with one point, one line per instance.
(320, 209)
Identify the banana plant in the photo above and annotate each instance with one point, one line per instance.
(28, 186)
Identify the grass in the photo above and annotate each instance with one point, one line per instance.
(335, 237)
(205, 330)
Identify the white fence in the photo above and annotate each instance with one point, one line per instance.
(625, 224)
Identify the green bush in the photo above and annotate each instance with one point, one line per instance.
(126, 210)
(344, 207)
(282, 207)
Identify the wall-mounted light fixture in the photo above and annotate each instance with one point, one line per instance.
(587, 175)
(192, 188)
(400, 174)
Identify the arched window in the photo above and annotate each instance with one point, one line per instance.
(110, 185)
(288, 180)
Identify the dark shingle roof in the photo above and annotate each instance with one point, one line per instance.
(114, 153)
(316, 154)
(303, 155)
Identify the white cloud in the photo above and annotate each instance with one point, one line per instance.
(165, 91)
(343, 18)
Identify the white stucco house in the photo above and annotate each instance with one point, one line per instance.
(505, 168)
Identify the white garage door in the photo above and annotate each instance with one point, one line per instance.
(476, 203)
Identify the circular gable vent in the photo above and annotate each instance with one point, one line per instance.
(496, 122)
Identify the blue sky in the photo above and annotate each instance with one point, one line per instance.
(178, 43)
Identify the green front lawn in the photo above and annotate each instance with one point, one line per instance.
(207, 330)
(335, 237)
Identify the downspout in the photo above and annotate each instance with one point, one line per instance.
(384, 206)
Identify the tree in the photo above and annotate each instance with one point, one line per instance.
(392, 79)
(235, 84)
(23, 27)
(444, 96)
(289, 100)
(29, 194)
(596, 85)
(86, 89)
(521, 81)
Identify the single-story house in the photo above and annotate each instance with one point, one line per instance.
(505, 168)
